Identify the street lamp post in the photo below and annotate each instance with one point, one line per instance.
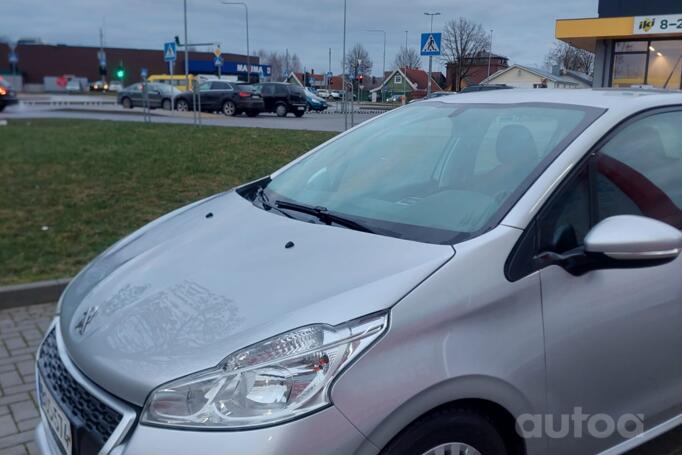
(428, 87)
(343, 65)
(248, 55)
(383, 73)
(405, 75)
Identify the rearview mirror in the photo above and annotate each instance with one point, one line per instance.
(634, 238)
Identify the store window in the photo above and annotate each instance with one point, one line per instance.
(655, 63)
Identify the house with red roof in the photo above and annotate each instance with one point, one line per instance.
(407, 81)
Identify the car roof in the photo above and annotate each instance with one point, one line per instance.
(611, 99)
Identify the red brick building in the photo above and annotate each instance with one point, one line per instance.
(477, 72)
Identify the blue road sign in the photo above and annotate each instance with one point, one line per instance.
(143, 73)
(217, 60)
(169, 51)
(329, 74)
(13, 59)
(430, 44)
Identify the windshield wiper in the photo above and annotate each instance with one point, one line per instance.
(323, 214)
(265, 203)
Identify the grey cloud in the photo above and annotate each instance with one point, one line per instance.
(524, 29)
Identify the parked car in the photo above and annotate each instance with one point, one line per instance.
(99, 86)
(226, 97)
(158, 96)
(418, 285)
(74, 86)
(8, 96)
(115, 86)
(177, 80)
(323, 93)
(282, 98)
(315, 103)
(336, 95)
(484, 88)
(394, 99)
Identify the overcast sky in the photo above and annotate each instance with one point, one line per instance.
(523, 29)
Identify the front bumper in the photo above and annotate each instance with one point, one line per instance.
(324, 432)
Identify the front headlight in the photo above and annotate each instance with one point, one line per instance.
(269, 382)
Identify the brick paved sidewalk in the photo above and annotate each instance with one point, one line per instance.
(21, 330)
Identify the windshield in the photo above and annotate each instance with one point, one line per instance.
(433, 172)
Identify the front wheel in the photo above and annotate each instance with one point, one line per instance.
(229, 108)
(167, 105)
(281, 110)
(457, 431)
(127, 103)
(182, 105)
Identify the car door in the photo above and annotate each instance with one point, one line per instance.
(154, 93)
(220, 91)
(613, 337)
(267, 91)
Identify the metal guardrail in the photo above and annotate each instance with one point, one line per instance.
(67, 103)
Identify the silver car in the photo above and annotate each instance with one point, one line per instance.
(489, 274)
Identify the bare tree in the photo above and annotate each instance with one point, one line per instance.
(464, 42)
(571, 58)
(358, 61)
(407, 57)
(280, 63)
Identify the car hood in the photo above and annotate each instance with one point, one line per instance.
(182, 293)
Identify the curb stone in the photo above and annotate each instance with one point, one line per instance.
(32, 293)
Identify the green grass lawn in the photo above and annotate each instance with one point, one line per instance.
(69, 188)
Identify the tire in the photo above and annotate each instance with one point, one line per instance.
(167, 105)
(2, 107)
(229, 109)
(281, 110)
(467, 427)
(299, 114)
(182, 105)
(127, 103)
(252, 113)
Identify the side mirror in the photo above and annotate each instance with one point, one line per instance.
(631, 238)
(619, 242)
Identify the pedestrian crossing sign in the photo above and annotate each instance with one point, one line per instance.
(430, 44)
(169, 53)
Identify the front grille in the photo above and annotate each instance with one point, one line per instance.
(92, 421)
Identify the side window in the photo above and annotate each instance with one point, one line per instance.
(268, 90)
(220, 86)
(639, 171)
(281, 90)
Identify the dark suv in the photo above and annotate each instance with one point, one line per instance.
(228, 98)
(282, 98)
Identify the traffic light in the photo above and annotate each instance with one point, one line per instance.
(360, 78)
(120, 73)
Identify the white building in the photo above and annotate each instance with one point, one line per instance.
(520, 76)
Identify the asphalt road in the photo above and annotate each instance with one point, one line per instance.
(312, 121)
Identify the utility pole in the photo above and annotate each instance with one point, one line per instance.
(343, 64)
(184, 4)
(248, 55)
(428, 87)
(329, 70)
(490, 51)
(383, 73)
(405, 75)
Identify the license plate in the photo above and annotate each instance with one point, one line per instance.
(300, 108)
(55, 418)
